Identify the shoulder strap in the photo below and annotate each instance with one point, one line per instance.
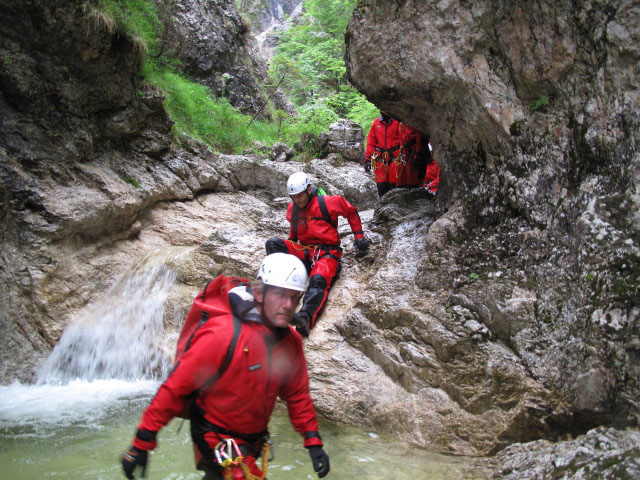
(294, 219)
(237, 326)
(323, 209)
(325, 212)
(204, 316)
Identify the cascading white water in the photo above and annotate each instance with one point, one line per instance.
(119, 336)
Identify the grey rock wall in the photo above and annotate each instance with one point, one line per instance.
(600, 453)
(538, 238)
(215, 47)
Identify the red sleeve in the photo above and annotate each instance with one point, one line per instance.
(292, 232)
(371, 140)
(299, 404)
(432, 175)
(194, 368)
(338, 206)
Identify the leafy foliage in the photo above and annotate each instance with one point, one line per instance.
(308, 66)
(192, 107)
(310, 58)
(540, 104)
(135, 18)
(214, 121)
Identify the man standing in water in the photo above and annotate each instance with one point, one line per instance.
(231, 414)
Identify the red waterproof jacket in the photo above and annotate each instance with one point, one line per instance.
(312, 229)
(383, 135)
(409, 135)
(432, 177)
(267, 363)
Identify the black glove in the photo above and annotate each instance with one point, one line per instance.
(302, 322)
(362, 244)
(132, 458)
(320, 460)
(367, 164)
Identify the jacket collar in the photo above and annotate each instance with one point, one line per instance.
(243, 306)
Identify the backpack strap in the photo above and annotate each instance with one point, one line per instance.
(323, 209)
(237, 327)
(325, 212)
(204, 316)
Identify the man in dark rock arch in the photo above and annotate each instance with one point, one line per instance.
(384, 144)
(314, 239)
(409, 163)
(235, 365)
(432, 169)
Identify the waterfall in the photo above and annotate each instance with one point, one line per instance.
(120, 335)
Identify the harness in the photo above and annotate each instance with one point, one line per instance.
(224, 452)
(384, 154)
(323, 209)
(200, 426)
(227, 453)
(317, 249)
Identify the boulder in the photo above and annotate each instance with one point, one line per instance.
(530, 109)
(346, 138)
(281, 152)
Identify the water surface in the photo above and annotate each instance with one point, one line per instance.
(78, 431)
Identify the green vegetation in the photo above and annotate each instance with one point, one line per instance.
(136, 19)
(309, 63)
(133, 182)
(200, 115)
(308, 66)
(540, 104)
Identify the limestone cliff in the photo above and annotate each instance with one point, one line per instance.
(216, 48)
(532, 109)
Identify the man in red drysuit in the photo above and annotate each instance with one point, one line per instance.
(432, 174)
(236, 363)
(383, 146)
(408, 172)
(314, 238)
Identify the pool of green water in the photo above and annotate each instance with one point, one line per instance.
(76, 439)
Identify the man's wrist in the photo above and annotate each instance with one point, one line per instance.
(145, 440)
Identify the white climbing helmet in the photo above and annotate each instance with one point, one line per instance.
(284, 271)
(298, 182)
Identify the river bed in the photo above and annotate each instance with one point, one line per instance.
(79, 430)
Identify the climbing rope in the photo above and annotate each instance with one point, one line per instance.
(226, 460)
(311, 248)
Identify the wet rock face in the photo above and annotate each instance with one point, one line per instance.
(71, 106)
(532, 109)
(214, 46)
(49, 51)
(601, 453)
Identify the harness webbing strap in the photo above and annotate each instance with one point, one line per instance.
(390, 150)
(331, 255)
(204, 316)
(323, 209)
